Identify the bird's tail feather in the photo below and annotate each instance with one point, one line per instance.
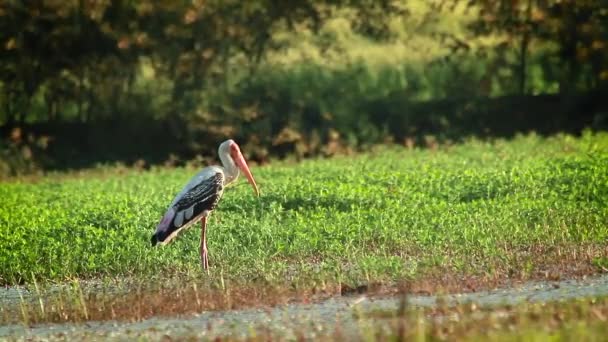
(163, 228)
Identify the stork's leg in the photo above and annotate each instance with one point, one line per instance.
(203, 247)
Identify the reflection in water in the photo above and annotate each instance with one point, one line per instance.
(310, 318)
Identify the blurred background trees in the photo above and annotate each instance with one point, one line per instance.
(83, 82)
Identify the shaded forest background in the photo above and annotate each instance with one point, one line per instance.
(146, 82)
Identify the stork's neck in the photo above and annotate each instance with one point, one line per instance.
(231, 172)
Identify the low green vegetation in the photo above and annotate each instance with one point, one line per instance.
(580, 320)
(506, 208)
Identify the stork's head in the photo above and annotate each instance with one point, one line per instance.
(231, 149)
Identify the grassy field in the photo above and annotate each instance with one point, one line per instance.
(502, 209)
(580, 320)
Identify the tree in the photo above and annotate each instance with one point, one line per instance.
(578, 28)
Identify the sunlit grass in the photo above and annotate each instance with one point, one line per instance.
(580, 319)
(575, 319)
(496, 209)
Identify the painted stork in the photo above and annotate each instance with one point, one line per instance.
(200, 196)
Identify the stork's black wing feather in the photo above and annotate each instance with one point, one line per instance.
(203, 196)
(191, 206)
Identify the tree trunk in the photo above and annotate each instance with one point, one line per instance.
(79, 94)
(9, 110)
(525, 41)
(568, 42)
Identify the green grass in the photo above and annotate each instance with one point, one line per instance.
(573, 320)
(582, 319)
(578, 319)
(495, 209)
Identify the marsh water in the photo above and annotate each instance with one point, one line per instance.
(295, 319)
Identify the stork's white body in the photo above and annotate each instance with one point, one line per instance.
(187, 214)
(201, 176)
(201, 195)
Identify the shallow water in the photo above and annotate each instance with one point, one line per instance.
(288, 320)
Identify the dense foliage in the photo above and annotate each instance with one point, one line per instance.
(81, 61)
(175, 77)
(476, 208)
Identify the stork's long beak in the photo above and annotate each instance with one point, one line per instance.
(242, 165)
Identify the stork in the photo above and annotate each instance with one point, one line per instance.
(200, 197)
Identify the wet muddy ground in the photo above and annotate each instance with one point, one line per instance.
(294, 319)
